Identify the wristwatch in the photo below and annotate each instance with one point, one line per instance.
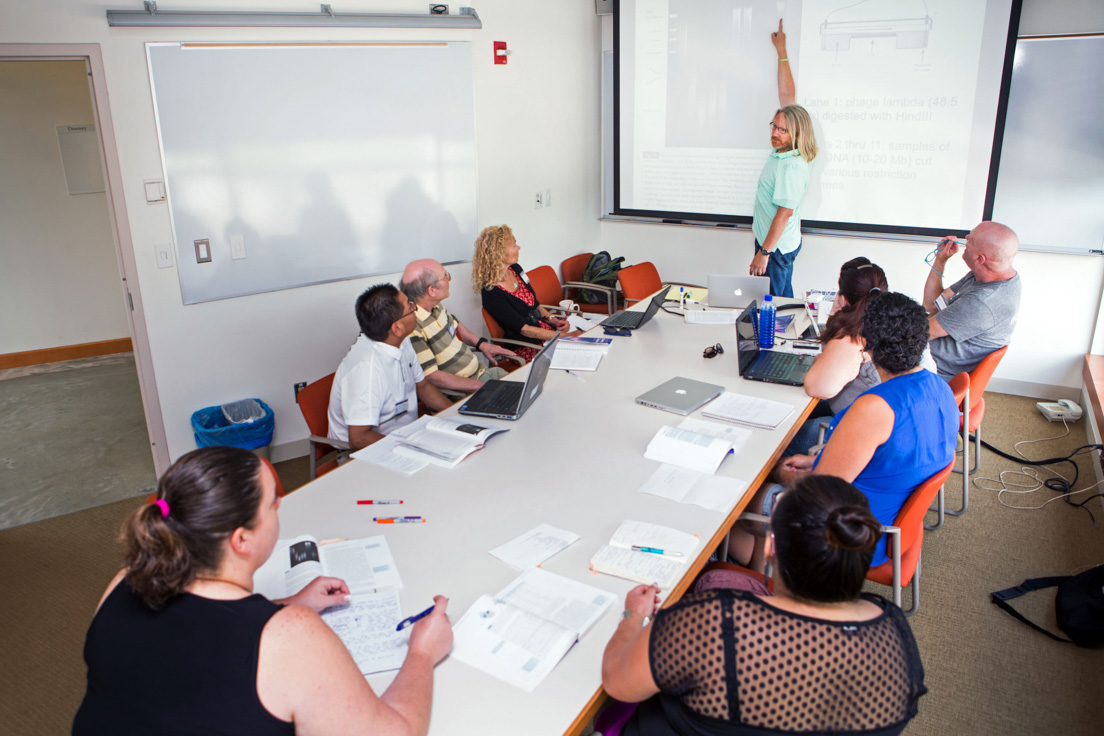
(479, 342)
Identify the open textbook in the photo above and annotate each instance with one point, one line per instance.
(619, 558)
(443, 441)
(580, 353)
(366, 624)
(521, 633)
(365, 565)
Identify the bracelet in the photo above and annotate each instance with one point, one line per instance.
(479, 342)
(786, 59)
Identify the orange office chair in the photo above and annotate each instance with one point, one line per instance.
(572, 270)
(498, 335)
(314, 402)
(906, 537)
(642, 280)
(279, 484)
(546, 287)
(973, 411)
(960, 385)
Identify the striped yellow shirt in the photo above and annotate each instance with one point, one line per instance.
(437, 346)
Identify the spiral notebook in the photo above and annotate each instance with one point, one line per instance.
(748, 410)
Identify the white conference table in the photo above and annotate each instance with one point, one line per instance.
(575, 460)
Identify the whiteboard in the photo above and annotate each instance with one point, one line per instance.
(302, 164)
(1050, 186)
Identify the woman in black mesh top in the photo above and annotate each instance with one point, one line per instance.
(817, 657)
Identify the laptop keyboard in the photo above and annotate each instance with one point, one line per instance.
(774, 365)
(623, 319)
(506, 398)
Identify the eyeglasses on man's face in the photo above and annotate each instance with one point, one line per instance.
(777, 128)
(446, 277)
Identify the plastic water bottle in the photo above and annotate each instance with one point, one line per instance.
(766, 323)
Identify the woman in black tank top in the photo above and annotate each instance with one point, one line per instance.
(181, 645)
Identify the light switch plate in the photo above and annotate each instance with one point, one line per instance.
(164, 255)
(237, 247)
(155, 190)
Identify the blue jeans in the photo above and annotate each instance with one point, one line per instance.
(780, 270)
(807, 436)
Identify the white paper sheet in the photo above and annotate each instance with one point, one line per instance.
(738, 436)
(534, 546)
(366, 626)
(383, 453)
(711, 316)
(688, 486)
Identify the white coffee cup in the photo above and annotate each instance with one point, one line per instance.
(569, 305)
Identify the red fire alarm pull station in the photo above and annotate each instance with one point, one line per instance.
(500, 52)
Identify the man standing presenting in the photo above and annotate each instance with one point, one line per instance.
(776, 218)
(977, 314)
(378, 384)
(440, 341)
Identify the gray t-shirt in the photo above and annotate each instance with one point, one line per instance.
(979, 319)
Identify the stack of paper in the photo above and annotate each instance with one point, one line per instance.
(669, 551)
(535, 546)
(711, 316)
(520, 634)
(688, 449)
(580, 353)
(367, 623)
(748, 410)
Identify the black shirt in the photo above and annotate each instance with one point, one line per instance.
(188, 668)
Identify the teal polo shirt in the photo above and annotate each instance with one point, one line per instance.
(782, 184)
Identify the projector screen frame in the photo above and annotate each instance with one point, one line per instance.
(825, 227)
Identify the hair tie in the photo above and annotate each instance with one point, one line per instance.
(164, 506)
(874, 288)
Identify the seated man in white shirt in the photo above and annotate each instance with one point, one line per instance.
(378, 384)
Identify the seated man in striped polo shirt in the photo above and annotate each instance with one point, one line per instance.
(443, 345)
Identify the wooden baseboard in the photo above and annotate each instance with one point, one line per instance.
(66, 352)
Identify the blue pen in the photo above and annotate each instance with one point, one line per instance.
(411, 620)
(656, 551)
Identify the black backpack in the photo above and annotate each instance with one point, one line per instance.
(1078, 606)
(600, 270)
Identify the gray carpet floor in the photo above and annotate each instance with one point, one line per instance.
(986, 673)
(73, 437)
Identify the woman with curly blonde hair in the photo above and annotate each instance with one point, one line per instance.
(506, 294)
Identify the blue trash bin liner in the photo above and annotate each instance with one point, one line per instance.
(212, 429)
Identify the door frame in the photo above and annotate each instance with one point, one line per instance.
(90, 54)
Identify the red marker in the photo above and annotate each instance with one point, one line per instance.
(366, 503)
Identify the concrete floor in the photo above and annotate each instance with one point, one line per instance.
(73, 437)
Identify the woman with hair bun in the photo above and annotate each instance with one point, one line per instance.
(818, 656)
(180, 644)
(891, 439)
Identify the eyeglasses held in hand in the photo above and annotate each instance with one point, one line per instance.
(713, 351)
(930, 258)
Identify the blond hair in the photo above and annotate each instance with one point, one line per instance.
(801, 129)
(490, 256)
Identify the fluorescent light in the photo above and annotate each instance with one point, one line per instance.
(326, 18)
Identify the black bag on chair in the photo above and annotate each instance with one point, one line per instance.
(600, 270)
(1078, 606)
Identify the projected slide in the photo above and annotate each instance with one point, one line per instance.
(903, 95)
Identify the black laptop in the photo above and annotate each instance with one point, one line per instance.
(766, 365)
(510, 399)
(634, 320)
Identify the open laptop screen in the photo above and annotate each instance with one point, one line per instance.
(747, 344)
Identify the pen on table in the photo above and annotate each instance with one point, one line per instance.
(574, 375)
(411, 620)
(377, 502)
(656, 551)
(398, 520)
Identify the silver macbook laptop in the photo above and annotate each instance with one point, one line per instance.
(680, 395)
(735, 292)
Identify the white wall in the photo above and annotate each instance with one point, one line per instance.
(59, 280)
(1046, 354)
(537, 128)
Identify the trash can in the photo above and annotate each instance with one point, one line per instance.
(247, 424)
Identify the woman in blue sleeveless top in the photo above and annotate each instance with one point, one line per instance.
(893, 437)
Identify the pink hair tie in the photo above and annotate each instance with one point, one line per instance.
(164, 506)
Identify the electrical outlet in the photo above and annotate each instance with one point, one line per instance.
(538, 201)
(299, 387)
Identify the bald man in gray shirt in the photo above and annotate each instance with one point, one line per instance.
(976, 314)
